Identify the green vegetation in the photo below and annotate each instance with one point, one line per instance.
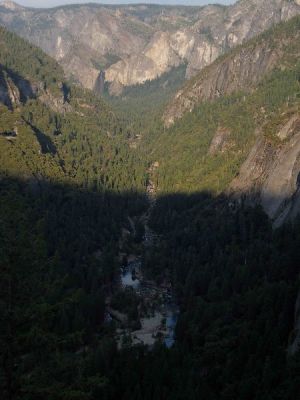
(284, 35)
(237, 281)
(68, 182)
(242, 114)
(71, 183)
(140, 105)
(40, 68)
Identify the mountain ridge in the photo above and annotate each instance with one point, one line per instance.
(141, 42)
(74, 218)
(234, 127)
(242, 68)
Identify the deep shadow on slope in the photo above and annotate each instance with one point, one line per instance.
(59, 260)
(14, 88)
(235, 279)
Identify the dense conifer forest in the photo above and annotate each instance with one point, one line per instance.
(73, 184)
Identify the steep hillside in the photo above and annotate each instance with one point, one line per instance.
(73, 212)
(247, 98)
(87, 39)
(68, 183)
(133, 44)
(270, 174)
(36, 98)
(242, 69)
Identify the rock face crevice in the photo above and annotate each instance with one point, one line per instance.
(16, 90)
(133, 44)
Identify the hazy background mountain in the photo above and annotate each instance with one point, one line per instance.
(54, 3)
(201, 201)
(128, 45)
(70, 178)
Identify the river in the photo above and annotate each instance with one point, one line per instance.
(159, 316)
(161, 323)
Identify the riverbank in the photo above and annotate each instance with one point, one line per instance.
(145, 311)
(157, 311)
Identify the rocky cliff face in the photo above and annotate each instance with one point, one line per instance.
(270, 175)
(83, 39)
(16, 90)
(138, 43)
(13, 89)
(237, 71)
(241, 69)
(216, 30)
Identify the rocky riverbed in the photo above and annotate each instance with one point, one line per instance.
(159, 316)
(145, 311)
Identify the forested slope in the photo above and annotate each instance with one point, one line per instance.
(68, 182)
(204, 149)
(72, 172)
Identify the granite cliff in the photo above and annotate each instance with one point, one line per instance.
(241, 69)
(133, 44)
(269, 174)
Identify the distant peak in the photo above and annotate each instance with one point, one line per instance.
(11, 5)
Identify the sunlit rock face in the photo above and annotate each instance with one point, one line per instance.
(133, 44)
(270, 174)
(240, 70)
(10, 5)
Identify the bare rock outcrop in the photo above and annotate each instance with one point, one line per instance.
(220, 142)
(13, 89)
(157, 58)
(270, 174)
(239, 70)
(16, 90)
(136, 43)
(10, 5)
(56, 103)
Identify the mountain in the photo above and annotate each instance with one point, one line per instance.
(91, 198)
(68, 184)
(136, 43)
(270, 174)
(241, 69)
(235, 126)
(38, 99)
